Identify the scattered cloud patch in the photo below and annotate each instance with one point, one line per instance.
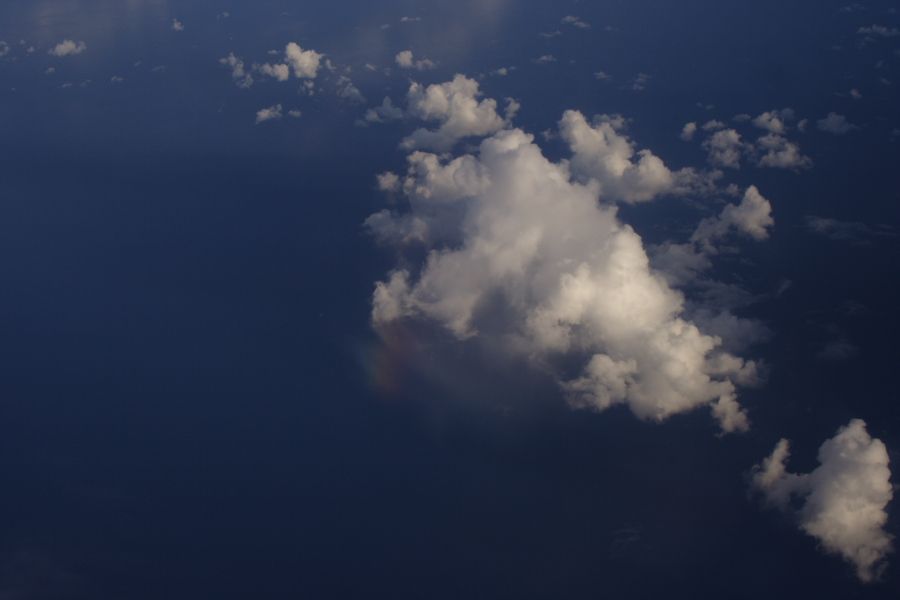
(177, 25)
(575, 22)
(835, 124)
(239, 74)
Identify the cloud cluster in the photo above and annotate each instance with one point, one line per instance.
(844, 499)
(303, 64)
(405, 60)
(523, 252)
(726, 148)
(68, 48)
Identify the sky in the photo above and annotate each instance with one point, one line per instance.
(481, 299)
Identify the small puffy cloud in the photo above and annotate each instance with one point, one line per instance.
(602, 76)
(836, 124)
(725, 149)
(457, 106)
(242, 78)
(406, 60)
(271, 113)
(774, 121)
(68, 48)
(177, 25)
(688, 131)
(713, 125)
(752, 217)
(575, 22)
(387, 111)
(777, 152)
(304, 63)
(279, 72)
(346, 90)
(545, 59)
(4, 48)
(879, 31)
(844, 500)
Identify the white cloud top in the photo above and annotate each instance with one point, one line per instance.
(304, 63)
(405, 60)
(269, 114)
(457, 107)
(68, 48)
(844, 498)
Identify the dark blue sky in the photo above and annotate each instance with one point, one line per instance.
(194, 402)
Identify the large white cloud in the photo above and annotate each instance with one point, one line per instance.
(523, 253)
(844, 498)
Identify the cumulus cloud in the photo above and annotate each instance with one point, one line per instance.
(346, 90)
(406, 60)
(269, 114)
(304, 63)
(68, 48)
(688, 131)
(603, 153)
(4, 48)
(684, 264)
(836, 124)
(774, 121)
(279, 72)
(177, 25)
(777, 152)
(725, 149)
(242, 78)
(522, 253)
(752, 217)
(844, 499)
(457, 106)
